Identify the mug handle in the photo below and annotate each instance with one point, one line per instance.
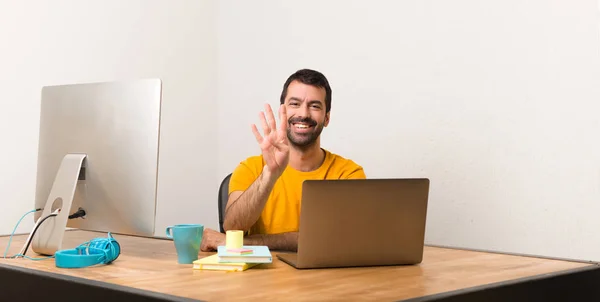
(168, 232)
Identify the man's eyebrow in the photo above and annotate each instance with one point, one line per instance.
(309, 102)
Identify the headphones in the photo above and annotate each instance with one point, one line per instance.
(93, 252)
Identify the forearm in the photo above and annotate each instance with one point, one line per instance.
(244, 211)
(281, 242)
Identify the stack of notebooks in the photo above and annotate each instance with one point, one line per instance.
(235, 259)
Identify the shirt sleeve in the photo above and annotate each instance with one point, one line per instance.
(357, 173)
(352, 170)
(245, 174)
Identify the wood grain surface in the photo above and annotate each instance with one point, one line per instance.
(151, 264)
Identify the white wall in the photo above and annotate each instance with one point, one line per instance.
(61, 42)
(495, 102)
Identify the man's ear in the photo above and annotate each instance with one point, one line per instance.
(327, 119)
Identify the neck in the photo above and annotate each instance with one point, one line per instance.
(307, 159)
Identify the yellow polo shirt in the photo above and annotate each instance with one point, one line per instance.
(281, 213)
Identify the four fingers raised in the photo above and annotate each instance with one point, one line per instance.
(269, 125)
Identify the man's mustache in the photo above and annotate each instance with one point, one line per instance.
(305, 120)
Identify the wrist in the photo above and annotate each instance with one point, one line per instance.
(269, 177)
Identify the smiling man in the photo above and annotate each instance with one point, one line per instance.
(265, 190)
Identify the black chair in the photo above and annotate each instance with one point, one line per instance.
(223, 196)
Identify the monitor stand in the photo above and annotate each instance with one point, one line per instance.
(49, 235)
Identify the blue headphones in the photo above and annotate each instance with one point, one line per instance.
(93, 252)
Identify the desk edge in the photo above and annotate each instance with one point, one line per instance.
(500, 284)
(95, 283)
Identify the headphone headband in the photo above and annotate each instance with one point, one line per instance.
(93, 252)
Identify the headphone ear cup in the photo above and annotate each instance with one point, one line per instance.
(115, 245)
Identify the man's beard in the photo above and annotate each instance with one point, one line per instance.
(304, 140)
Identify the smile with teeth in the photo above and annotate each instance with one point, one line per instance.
(302, 126)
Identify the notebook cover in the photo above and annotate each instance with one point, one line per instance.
(212, 263)
(260, 254)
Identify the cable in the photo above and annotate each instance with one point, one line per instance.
(31, 258)
(30, 237)
(79, 213)
(54, 214)
(15, 229)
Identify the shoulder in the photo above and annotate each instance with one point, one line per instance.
(246, 173)
(253, 160)
(345, 167)
(340, 160)
(253, 164)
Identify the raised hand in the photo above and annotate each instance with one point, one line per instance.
(274, 145)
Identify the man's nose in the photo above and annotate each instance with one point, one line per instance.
(303, 111)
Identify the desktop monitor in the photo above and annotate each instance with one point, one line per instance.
(98, 151)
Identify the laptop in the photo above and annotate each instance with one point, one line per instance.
(360, 222)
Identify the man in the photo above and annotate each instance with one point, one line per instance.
(265, 191)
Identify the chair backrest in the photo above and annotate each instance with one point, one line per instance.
(223, 197)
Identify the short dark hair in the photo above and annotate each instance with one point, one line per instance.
(312, 78)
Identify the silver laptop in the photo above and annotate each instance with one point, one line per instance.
(362, 222)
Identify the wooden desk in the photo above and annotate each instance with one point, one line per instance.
(150, 265)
